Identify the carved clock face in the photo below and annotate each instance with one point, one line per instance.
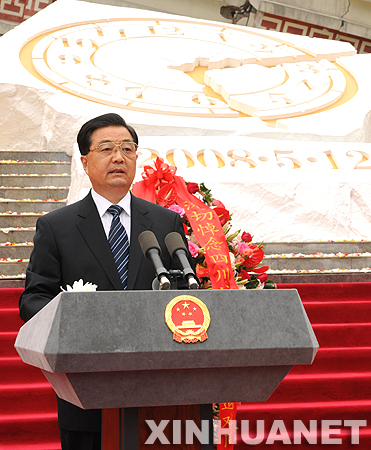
(189, 68)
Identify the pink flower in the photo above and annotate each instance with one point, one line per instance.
(241, 247)
(178, 209)
(193, 249)
(247, 252)
(246, 237)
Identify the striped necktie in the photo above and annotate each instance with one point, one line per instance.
(119, 243)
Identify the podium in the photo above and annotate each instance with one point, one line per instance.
(114, 350)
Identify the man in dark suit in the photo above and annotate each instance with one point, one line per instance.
(73, 243)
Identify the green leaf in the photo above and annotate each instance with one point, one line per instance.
(207, 197)
(226, 227)
(252, 284)
(232, 236)
(269, 284)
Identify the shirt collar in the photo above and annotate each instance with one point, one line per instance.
(103, 204)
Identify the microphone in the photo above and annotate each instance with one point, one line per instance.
(179, 252)
(152, 251)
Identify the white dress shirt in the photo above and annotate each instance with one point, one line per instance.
(103, 204)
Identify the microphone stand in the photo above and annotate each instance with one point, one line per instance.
(174, 275)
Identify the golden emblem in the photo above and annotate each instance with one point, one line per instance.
(188, 318)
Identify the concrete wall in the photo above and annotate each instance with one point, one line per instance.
(200, 9)
(334, 8)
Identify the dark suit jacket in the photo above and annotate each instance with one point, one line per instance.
(70, 244)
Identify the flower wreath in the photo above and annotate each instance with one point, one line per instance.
(160, 185)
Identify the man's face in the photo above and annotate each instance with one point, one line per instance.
(111, 176)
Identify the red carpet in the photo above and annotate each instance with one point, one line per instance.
(337, 387)
(28, 412)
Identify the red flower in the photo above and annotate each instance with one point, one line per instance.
(192, 188)
(159, 175)
(262, 277)
(254, 259)
(244, 275)
(217, 203)
(166, 196)
(246, 237)
(260, 269)
(202, 271)
(223, 215)
(185, 228)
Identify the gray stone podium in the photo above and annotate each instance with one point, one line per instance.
(113, 349)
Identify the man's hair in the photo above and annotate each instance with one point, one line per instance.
(106, 120)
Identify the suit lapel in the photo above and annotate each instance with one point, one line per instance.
(92, 231)
(139, 223)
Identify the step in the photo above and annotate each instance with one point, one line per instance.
(20, 180)
(37, 430)
(336, 291)
(301, 388)
(9, 298)
(33, 167)
(31, 206)
(350, 335)
(35, 446)
(14, 219)
(317, 246)
(7, 339)
(338, 312)
(325, 277)
(306, 262)
(338, 359)
(33, 155)
(14, 370)
(17, 235)
(13, 267)
(10, 320)
(16, 251)
(32, 398)
(42, 193)
(9, 282)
